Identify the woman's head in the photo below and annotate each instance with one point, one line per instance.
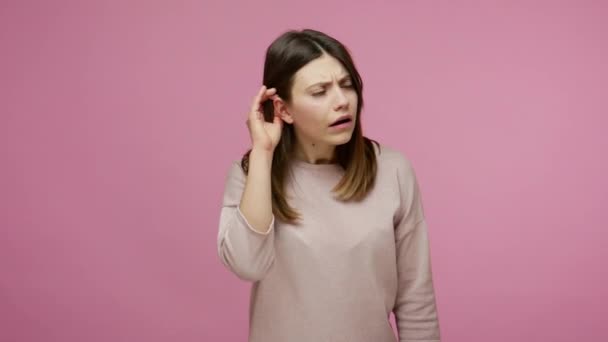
(322, 93)
(296, 62)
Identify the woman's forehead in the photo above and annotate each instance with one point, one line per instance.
(322, 69)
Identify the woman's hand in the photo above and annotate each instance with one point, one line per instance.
(264, 135)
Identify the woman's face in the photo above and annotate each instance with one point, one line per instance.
(322, 92)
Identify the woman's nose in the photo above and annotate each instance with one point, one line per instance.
(341, 99)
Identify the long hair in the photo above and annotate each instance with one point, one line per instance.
(284, 57)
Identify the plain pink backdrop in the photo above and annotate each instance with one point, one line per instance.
(119, 120)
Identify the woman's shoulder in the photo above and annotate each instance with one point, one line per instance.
(392, 157)
(395, 165)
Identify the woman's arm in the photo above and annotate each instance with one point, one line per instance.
(415, 308)
(256, 203)
(246, 227)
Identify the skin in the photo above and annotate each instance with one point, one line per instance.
(314, 108)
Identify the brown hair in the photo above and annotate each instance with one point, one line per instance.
(284, 57)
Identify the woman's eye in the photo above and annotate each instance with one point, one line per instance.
(345, 85)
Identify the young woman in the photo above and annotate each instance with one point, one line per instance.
(327, 224)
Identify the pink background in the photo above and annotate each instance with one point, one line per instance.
(119, 120)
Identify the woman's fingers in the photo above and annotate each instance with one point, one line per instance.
(267, 95)
(255, 105)
(262, 95)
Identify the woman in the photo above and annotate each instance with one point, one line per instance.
(327, 225)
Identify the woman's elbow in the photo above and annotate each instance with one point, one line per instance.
(248, 269)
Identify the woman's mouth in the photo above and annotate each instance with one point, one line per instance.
(341, 124)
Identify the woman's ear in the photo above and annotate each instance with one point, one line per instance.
(280, 108)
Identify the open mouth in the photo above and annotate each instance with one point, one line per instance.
(339, 122)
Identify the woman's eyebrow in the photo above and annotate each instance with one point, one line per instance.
(343, 78)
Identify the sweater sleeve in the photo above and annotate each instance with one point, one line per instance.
(246, 252)
(415, 308)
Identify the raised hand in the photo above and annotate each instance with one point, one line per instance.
(264, 135)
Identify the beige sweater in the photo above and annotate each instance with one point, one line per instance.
(339, 274)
